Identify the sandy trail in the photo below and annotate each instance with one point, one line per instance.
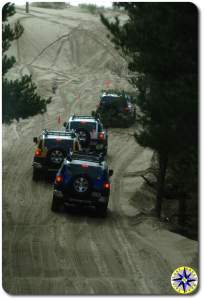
(77, 252)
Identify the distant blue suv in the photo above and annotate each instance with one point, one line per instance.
(82, 180)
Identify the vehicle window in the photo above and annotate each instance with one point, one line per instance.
(90, 126)
(109, 99)
(76, 169)
(58, 142)
(113, 101)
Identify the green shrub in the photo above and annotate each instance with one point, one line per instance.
(19, 97)
(20, 100)
(54, 5)
(92, 8)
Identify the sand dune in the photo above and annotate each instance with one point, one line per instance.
(78, 253)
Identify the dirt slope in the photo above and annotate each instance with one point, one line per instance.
(77, 253)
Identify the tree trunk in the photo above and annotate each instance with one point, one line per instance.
(163, 161)
(27, 7)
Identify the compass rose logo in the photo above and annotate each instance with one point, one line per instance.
(184, 280)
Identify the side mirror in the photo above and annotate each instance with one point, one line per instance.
(110, 173)
(35, 140)
(65, 124)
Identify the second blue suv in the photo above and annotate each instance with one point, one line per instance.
(82, 180)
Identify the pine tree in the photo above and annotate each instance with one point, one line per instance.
(160, 42)
(8, 35)
(19, 97)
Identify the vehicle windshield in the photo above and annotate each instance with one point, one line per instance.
(109, 99)
(113, 101)
(90, 126)
(83, 168)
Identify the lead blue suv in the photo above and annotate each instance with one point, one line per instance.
(82, 180)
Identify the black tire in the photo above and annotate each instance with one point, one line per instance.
(81, 185)
(36, 175)
(56, 156)
(57, 204)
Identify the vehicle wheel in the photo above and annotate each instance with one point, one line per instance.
(84, 137)
(56, 156)
(57, 204)
(81, 185)
(102, 209)
(36, 175)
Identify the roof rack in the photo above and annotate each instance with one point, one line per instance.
(111, 94)
(88, 157)
(57, 132)
(82, 116)
(85, 117)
